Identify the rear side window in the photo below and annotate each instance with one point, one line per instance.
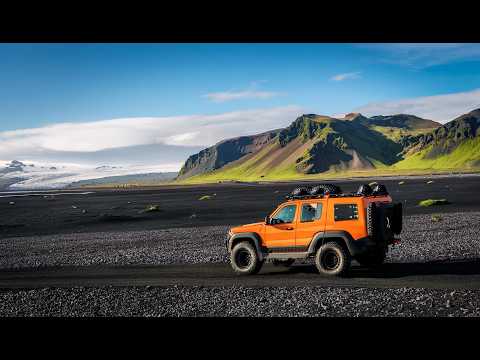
(311, 212)
(345, 212)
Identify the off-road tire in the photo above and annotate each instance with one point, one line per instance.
(397, 220)
(301, 191)
(384, 223)
(373, 259)
(322, 188)
(285, 263)
(244, 259)
(325, 263)
(371, 218)
(379, 189)
(365, 190)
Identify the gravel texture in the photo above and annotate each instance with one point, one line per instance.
(454, 236)
(170, 246)
(239, 301)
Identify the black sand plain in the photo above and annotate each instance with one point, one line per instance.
(179, 206)
(101, 253)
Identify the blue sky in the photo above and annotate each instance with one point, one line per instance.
(42, 84)
(255, 87)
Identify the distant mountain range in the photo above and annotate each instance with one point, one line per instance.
(318, 144)
(312, 145)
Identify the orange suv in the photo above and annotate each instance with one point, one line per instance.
(320, 222)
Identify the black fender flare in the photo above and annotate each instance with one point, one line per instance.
(254, 237)
(355, 247)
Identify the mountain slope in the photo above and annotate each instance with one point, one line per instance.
(455, 145)
(400, 128)
(311, 144)
(338, 144)
(401, 121)
(316, 144)
(224, 152)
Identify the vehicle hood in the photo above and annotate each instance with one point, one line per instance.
(247, 227)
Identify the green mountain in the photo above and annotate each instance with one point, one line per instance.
(455, 145)
(224, 152)
(317, 144)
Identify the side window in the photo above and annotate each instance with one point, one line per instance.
(311, 212)
(345, 212)
(286, 214)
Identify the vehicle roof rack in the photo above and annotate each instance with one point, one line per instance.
(321, 196)
(306, 197)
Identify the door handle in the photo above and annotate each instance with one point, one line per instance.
(289, 228)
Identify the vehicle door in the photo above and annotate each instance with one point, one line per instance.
(310, 222)
(280, 233)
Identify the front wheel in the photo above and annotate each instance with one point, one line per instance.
(332, 259)
(244, 259)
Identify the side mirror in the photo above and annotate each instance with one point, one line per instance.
(267, 220)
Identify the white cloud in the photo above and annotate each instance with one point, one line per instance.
(346, 76)
(181, 139)
(251, 93)
(441, 108)
(159, 140)
(238, 95)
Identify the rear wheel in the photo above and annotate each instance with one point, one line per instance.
(397, 218)
(244, 259)
(332, 259)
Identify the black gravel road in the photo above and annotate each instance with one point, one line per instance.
(196, 301)
(441, 289)
(179, 206)
(435, 275)
(100, 253)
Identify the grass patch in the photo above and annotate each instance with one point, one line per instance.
(221, 176)
(433, 202)
(205, 197)
(465, 156)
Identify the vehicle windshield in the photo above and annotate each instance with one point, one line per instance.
(285, 215)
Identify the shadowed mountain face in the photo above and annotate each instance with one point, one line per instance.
(224, 152)
(401, 121)
(337, 144)
(447, 137)
(456, 144)
(316, 144)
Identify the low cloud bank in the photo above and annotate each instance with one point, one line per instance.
(149, 141)
(441, 108)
